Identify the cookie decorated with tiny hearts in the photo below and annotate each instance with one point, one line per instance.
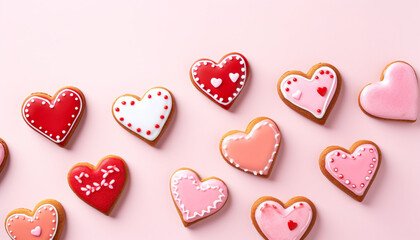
(195, 198)
(313, 94)
(45, 222)
(146, 117)
(55, 117)
(353, 170)
(221, 82)
(4, 153)
(277, 221)
(99, 186)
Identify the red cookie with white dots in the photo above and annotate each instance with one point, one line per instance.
(221, 82)
(146, 117)
(45, 222)
(55, 117)
(312, 95)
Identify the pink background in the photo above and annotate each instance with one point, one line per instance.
(109, 48)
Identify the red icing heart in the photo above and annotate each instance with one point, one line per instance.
(292, 225)
(54, 117)
(322, 91)
(99, 186)
(221, 82)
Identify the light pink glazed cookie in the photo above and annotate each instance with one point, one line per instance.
(395, 96)
(354, 170)
(253, 151)
(277, 221)
(196, 199)
(312, 95)
(4, 153)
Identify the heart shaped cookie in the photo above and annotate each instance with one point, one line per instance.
(223, 81)
(55, 117)
(4, 153)
(145, 117)
(354, 170)
(277, 221)
(196, 199)
(45, 222)
(99, 186)
(314, 94)
(253, 151)
(395, 96)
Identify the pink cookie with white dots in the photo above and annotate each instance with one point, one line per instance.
(45, 222)
(354, 170)
(146, 117)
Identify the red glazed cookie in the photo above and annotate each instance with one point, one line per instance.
(45, 222)
(277, 221)
(146, 117)
(221, 82)
(354, 170)
(255, 150)
(55, 117)
(99, 186)
(312, 95)
(4, 153)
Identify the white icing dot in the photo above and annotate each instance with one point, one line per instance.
(353, 186)
(371, 165)
(46, 131)
(243, 69)
(367, 178)
(64, 131)
(71, 94)
(362, 185)
(43, 102)
(63, 94)
(28, 105)
(32, 121)
(370, 171)
(69, 124)
(374, 159)
(76, 99)
(347, 182)
(58, 137)
(26, 110)
(72, 116)
(58, 100)
(363, 149)
(337, 153)
(335, 170)
(40, 128)
(344, 156)
(27, 115)
(32, 100)
(50, 135)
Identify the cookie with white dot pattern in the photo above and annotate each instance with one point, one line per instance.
(146, 117)
(55, 117)
(45, 222)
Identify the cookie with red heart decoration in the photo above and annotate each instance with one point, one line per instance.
(255, 150)
(4, 153)
(195, 198)
(275, 220)
(221, 82)
(353, 170)
(45, 222)
(313, 94)
(146, 117)
(55, 117)
(99, 186)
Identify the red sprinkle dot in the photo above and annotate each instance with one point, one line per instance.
(123, 102)
(150, 96)
(132, 103)
(117, 109)
(159, 93)
(165, 97)
(122, 119)
(287, 89)
(148, 132)
(321, 72)
(294, 79)
(138, 130)
(301, 204)
(157, 126)
(331, 76)
(165, 107)
(316, 77)
(289, 82)
(129, 124)
(274, 206)
(162, 117)
(318, 110)
(327, 72)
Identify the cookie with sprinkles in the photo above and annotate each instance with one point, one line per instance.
(45, 222)
(221, 82)
(99, 186)
(313, 94)
(146, 117)
(55, 117)
(4, 153)
(353, 170)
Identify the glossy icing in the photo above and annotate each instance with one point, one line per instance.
(221, 82)
(395, 97)
(354, 171)
(42, 226)
(255, 151)
(2, 153)
(146, 117)
(196, 199)
(54, 119)
(100, 187)
(278, 223)
(313, 95)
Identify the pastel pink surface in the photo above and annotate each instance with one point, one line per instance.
(196, 199)
(396, 96)
(273, 220)
(2, 153)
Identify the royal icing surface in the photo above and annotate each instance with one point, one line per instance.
(2, 153)
(146, 117)
(313, 95)
(222, 82)
(354, 171)
(278, 223)
(101, 187)
(196, 199)
(253, 152)
(54, 119)
(395, 97)
(42, 226)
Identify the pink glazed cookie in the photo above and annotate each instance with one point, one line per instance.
(312, 95)
(277, 221)
(255, 150)
(4, 153)
(395, 96)
(196, 199)
(354, 170)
